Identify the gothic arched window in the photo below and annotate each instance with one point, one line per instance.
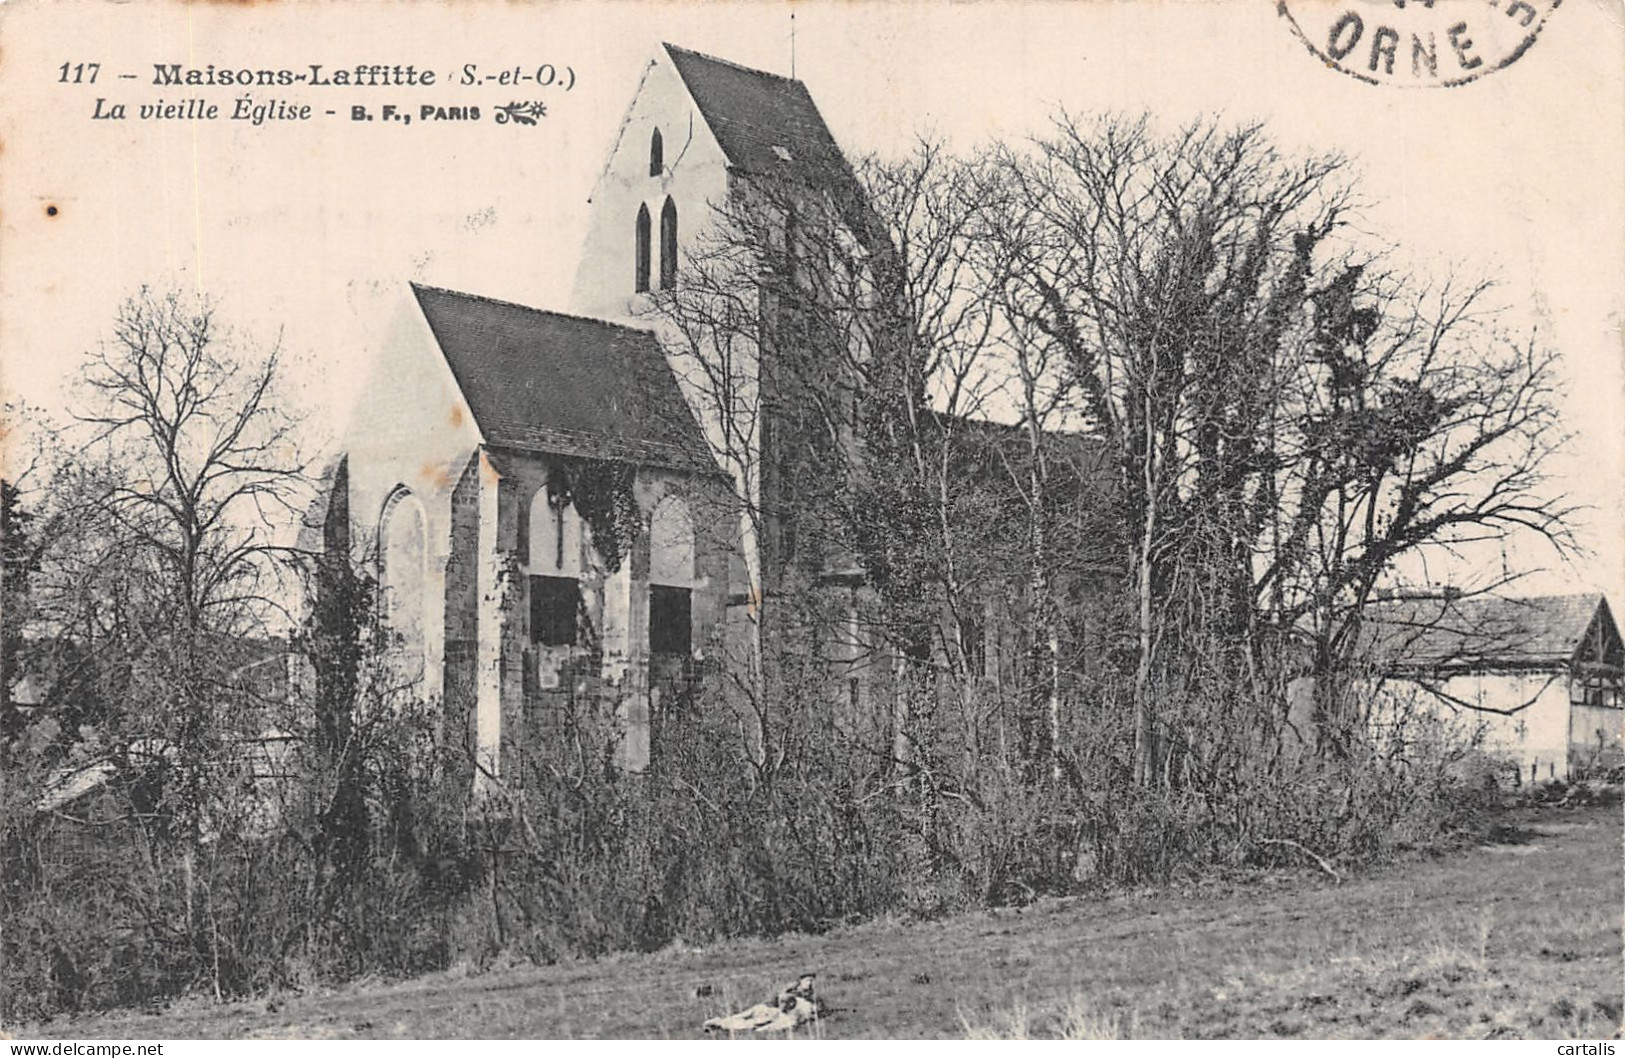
(668, 245)
(555, 568)
(403, 559)
(671, 544)
(643, 249)
(657, 155)
(671, 578)
(555, 534)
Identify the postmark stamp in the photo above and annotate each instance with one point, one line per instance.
(1417, 43)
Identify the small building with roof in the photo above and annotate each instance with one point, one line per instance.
(1541, 680)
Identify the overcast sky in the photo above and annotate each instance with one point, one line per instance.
(311, 227)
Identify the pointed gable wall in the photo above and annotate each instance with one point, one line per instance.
(1602, 648)
(411, 426)
(410, 430)
(694, 175)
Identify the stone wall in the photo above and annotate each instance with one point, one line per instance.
(600, 683)
(412, 432)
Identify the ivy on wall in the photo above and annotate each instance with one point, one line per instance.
(602, 494)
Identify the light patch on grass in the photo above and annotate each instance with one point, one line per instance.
(1079, 1019)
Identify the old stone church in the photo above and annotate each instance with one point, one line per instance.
(542, 498)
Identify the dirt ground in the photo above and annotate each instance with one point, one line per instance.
(1516, 938)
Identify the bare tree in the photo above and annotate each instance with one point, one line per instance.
(1417, 428)
(1164, 270)
(1287, 426)
(209, 460)
(203, 486)
(829, 327)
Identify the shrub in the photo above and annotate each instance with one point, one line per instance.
(376, 861)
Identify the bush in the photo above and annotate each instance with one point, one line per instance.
(104, 906)
(379, 863)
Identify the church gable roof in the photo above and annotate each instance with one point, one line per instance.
(764, 123)
(566, 385)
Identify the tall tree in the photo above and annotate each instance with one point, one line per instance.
(1165, 270)
(1419, 427)
(1289, 422)
(206, 477)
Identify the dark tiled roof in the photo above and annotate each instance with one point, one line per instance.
(1081, 486)
(1482, 631)
(545, 382)
(1085, 452)
(765, 123)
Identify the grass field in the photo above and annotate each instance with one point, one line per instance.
(1516, 938)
